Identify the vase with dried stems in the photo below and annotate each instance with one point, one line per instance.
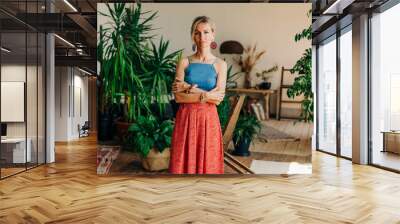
(247, 62)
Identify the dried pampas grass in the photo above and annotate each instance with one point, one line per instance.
(248, 61)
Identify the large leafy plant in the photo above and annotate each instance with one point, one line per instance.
(303, 82)
(160, 72)
(148, 132)
(132, 67)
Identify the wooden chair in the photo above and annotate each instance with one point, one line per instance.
(227, 137)
(83, 130)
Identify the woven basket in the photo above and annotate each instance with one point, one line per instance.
(156, 161)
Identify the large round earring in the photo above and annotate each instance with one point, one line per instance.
(194, 47)
(213, 45)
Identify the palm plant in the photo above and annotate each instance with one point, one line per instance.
(112, 56)
(118, 71)
(131, 65)
(160, 72)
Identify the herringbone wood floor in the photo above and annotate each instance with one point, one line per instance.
(69, 191)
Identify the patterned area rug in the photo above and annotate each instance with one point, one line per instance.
(105, 158)
(270, 134)
(272, 167)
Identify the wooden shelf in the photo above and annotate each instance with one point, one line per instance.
(280, 101)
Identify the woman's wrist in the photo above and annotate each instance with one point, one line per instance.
(187, 87)
(203, 97)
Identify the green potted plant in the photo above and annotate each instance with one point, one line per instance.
(303, 83)
(265, 76)
(151, 138)
(160, 74)
(136, 74)
(246, 127)
(118, 74)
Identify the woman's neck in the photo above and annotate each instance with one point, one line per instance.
(204, 54)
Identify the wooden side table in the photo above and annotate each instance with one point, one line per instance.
(265, 92)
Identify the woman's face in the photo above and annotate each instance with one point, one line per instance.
(203, 35)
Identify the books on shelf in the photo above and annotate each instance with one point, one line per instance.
(258, 111)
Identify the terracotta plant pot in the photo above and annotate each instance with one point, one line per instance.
(156, 161)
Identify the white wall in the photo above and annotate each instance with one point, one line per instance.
(70, 83)
(12, 73)
(33, 127)
(61, 103)
(271, 26)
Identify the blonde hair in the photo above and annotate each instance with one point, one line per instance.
(201, 19)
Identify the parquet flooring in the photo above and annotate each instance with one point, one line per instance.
(387, 159)
(279, 151)
(69, 191)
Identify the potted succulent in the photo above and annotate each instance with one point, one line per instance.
(151, 138)
(246, 127)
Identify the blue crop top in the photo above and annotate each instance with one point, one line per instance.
(202, 74)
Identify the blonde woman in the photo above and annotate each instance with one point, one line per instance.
(199, 86)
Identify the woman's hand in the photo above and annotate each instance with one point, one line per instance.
(179, 86)
(214, 96)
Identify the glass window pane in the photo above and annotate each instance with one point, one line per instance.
(41, 98)
(385, 89)
(327, 96)
(346, 94)
(14, 153)
(31, 97)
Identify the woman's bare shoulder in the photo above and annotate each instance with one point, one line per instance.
(184, 62)
(220, 63)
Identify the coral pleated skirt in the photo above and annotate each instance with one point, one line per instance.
(196, 146)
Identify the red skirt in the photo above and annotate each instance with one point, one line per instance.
(196, 146)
